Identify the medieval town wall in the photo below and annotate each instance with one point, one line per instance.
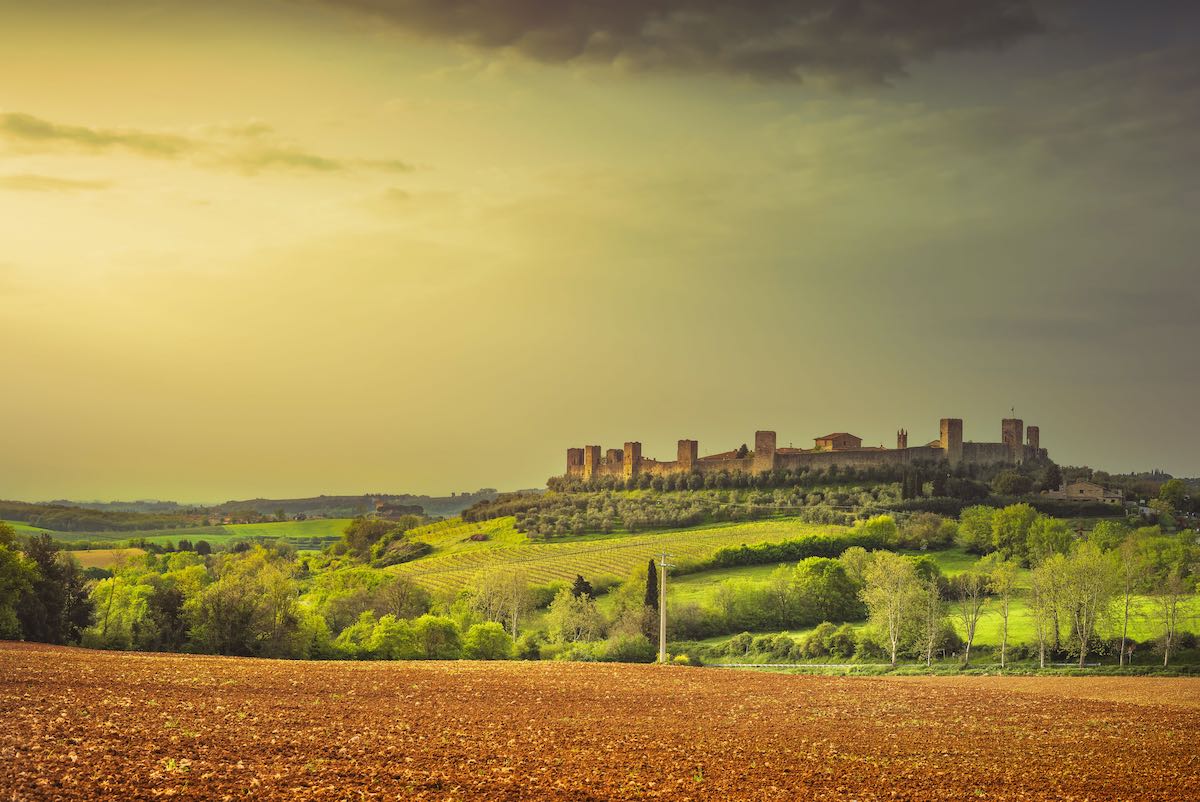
(592, 461)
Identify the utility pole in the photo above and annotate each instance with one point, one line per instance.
(662, 608)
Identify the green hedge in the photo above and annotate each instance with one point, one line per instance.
(785, 551)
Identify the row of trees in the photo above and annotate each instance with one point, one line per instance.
(559, 514)
(1072, 593)
(43, 597)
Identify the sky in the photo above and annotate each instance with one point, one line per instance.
(263, 248)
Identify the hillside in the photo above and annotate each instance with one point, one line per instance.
(457, 558)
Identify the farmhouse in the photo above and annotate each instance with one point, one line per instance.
(1085, 491)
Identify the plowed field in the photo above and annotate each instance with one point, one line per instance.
(78, 724)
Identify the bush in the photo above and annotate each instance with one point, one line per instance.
(399, 549)
(790, 551)
(530, 645)
(842, 642)
(739, 645)
(393, 639)
(487, 641)
(816, 643)
(629, 649)
(437, 637)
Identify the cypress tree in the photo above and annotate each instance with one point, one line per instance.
(652, 585)
(582, 587)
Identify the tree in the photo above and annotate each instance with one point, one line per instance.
(1002, 582)
(1012, 483)
(203, 547)
(392, 638)
(969, 597)
(931, 618)
(1169, 562)
(437, 637)
(362, 533)
(574, 618)
(1089, 585)
(17, 576)
(652, 586)
(57, 607)
(882, 527)
(1010, 530)
(1132, 570)
(503, 595)
(890, 595)
(400, 597)
(821, 590)
(1109, 535)
(1045, 590)
(975, 528)
(927, 530)
(1175, 493)
(1052, 477)
(1047, 536)
(166, 627)
(251, 609)
(581, 587)
(487, 641)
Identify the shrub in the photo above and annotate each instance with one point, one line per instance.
(437, 637)
(399, 549)
(392, 639)
(487, 641)
(629, 649)
(529, 646)
(739, 645)
(842, 642)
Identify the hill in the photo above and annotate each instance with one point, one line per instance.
(462, 551)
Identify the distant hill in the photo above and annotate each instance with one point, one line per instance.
(65, 515)
(349, 506)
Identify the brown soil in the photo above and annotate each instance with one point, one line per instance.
(80, 724)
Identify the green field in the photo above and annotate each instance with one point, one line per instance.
(301, 533)
(699, 588)
(26, 529)
(457, 559)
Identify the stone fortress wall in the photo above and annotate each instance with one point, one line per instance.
(841, 449)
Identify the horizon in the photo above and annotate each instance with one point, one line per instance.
(275, 249)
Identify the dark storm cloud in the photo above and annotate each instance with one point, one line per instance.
(850, 41)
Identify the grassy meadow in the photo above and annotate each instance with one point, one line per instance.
(457, 558)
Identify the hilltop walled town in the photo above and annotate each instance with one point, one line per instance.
(1017, 444)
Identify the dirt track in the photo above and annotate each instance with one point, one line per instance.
(93, 725)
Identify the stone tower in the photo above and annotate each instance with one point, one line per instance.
(764, 451)
(574, 461)
(1033, 436)
(689, 452)
(1012, 435)
(902, 439)
(632, 464)
(952, 439)
(591, 461)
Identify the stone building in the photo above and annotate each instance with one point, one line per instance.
(839, 448)
(1086, 491)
